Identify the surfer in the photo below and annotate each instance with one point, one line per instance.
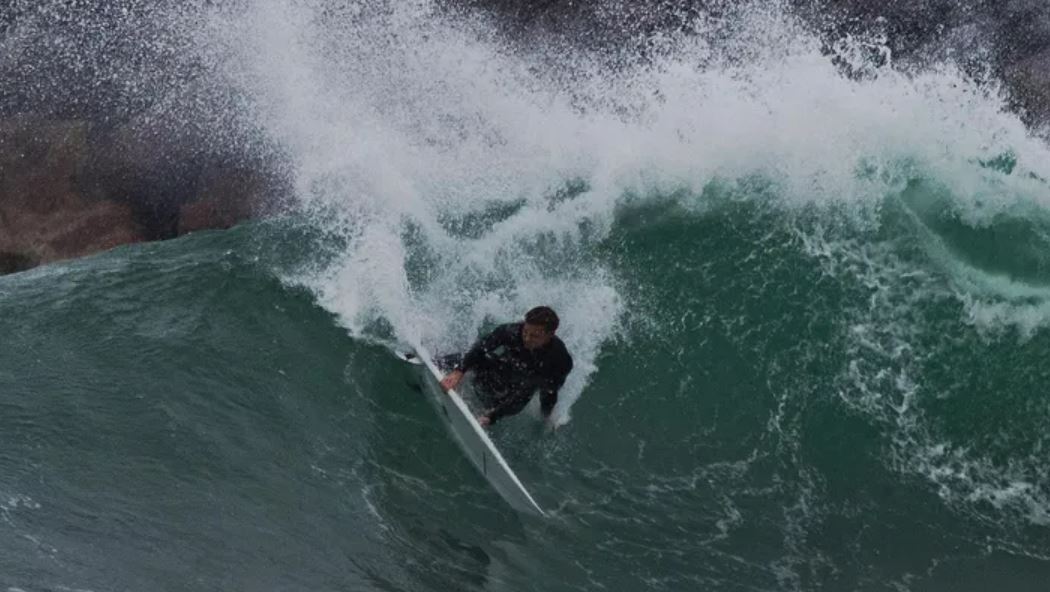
(511, 363)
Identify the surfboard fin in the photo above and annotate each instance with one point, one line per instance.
(409, 357)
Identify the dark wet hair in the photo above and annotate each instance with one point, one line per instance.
(543, 316)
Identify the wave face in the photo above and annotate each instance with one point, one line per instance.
(809, 313)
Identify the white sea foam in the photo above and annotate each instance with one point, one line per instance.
(405, 125)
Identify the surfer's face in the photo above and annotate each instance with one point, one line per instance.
(535, 336)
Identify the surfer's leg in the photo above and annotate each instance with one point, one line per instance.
(486, 390)
(514, 408)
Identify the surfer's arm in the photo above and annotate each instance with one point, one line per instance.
(508, 406)
(549, 396)
(502, 335)
(551, 386)
(548, 399)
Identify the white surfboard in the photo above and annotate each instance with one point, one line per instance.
(472, 438)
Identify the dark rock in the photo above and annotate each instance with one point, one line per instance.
(150, 165)
(15, 262)
(228, 195)
(1030, 81)
(68, 190)
(43, 215)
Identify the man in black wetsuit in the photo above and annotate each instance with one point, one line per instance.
(512, 363)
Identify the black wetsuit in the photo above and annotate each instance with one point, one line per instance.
(507, 374)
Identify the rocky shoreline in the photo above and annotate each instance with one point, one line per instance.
(68, 189)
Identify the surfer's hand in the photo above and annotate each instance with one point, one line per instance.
(452, 380)
(484, 421)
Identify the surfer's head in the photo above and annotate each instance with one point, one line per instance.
(540, 325)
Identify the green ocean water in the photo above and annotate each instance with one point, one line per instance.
(771, 415)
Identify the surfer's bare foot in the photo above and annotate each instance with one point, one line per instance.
(484, 421)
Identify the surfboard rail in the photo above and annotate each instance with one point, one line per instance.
(475, 441)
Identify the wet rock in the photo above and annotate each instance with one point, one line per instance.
(228, 195)
(1029, 80)
(43, 214)
(69, 188)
